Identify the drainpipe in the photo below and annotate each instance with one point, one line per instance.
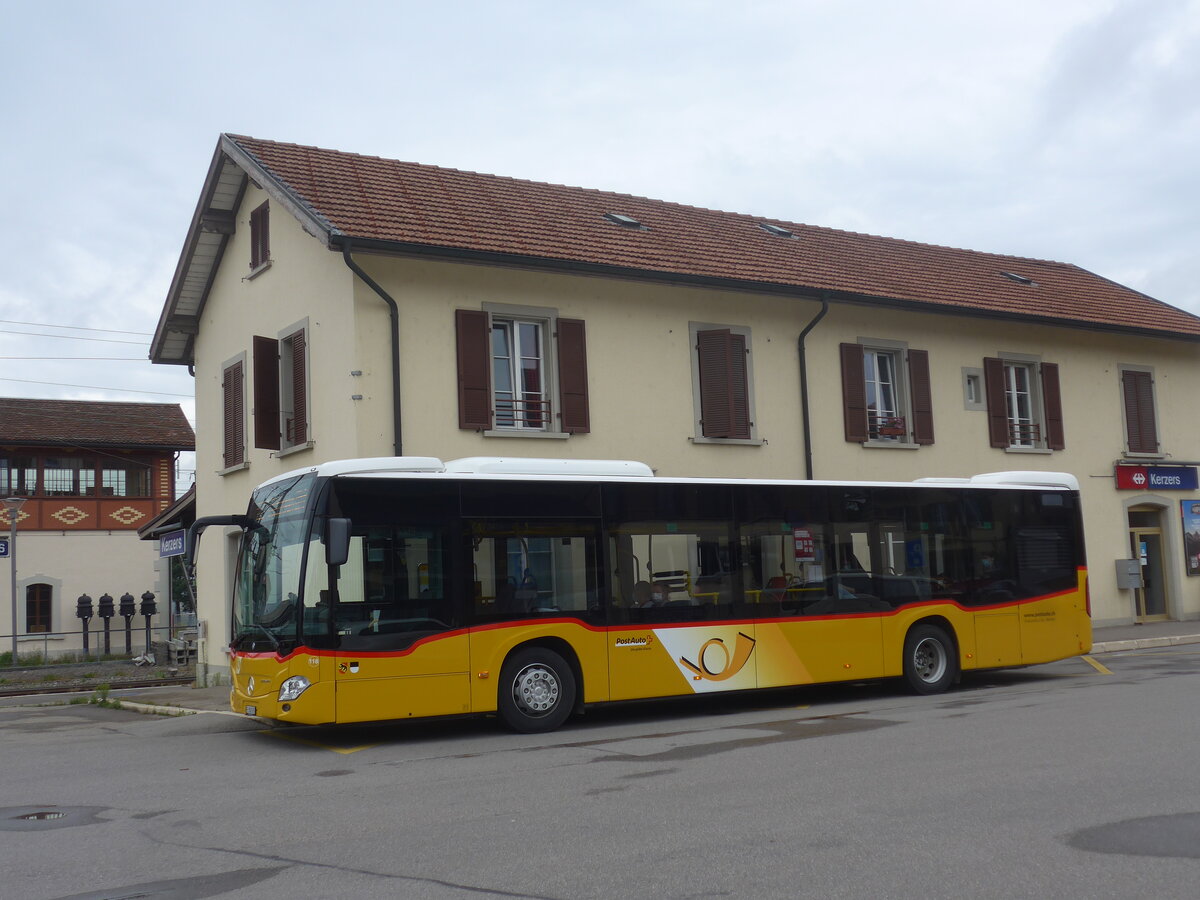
(397, 442)
(808, 455)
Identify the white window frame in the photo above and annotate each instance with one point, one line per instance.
(897, 353)
(545, 318)
(974, 396)
(1031, 364)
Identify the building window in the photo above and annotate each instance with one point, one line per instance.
(1141, 421)
(518, 374)
(74, 476)
(293, 384)
(281, 419)
(521, 372)
(973, 393)
(129, 479)
(886, 394)
(68, 477)
(722, 378)
(18, 476)
(38, 605)
(260, 236)
(234, 413)
(1024, 404)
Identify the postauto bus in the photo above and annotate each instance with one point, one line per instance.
(395, 588)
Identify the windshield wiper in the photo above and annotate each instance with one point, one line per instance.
(275, 643)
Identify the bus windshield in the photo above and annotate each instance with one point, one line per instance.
(270, 565)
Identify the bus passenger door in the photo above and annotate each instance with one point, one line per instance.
(398, 653)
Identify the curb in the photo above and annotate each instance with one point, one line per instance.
(156, 709)
(159, 709)
(1145, 643)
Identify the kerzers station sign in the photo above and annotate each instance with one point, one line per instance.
(1156, 478)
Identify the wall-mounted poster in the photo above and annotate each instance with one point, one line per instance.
(1191, 535)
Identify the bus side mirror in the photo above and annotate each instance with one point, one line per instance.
(337, 542)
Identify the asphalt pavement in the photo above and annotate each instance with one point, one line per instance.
(178, 699)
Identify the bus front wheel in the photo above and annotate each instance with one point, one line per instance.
(537, 690)
(929, 659)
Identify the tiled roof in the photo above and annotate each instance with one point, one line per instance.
(87, 423)
(416, 206)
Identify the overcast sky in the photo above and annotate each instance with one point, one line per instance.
(1065, 130)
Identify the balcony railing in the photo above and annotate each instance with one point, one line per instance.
(522, 413)
(1024, 434)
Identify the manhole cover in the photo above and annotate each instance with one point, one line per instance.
(41, 818)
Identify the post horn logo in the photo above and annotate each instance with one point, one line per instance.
(733, 663)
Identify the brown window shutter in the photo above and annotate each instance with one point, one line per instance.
(1140, 423)
(299, 433)
(997, 402)
(474, 369)
(266, 393)
(724, 387)
(922, 396)
(572, 377)
(854, 393)
(1052, 406)
(739, 387)
(260, 235)
(234, 416)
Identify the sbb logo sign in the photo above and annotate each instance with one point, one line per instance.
(1156, 478)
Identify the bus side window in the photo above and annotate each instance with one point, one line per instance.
(523, 569)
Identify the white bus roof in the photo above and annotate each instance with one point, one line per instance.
(512, 466)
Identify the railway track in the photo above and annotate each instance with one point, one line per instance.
(79, 687)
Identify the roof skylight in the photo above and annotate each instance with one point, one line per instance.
(1019, 279)
(777, 230)
(624, 220)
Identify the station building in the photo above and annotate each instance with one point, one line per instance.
(335, 305)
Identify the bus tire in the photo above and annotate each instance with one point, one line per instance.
(537, 690)
(930, 660)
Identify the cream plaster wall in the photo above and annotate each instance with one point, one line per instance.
(92, 563)
(641, 392)
(639, 365)
(303, 282)
(641, 397)
(1093, 421)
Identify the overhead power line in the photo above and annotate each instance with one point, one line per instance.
(73, 358)
(95, 387)
(71, 337)
(72, 327)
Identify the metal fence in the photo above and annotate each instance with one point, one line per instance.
(176, 643)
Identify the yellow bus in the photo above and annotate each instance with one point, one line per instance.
(396, 588)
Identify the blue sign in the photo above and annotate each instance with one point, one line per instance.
(1156, 478)
(3, 547)
(171, 544)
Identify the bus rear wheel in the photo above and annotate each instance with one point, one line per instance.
(929, 659)
(537, 690)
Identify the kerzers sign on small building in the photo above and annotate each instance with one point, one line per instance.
(1156, 478)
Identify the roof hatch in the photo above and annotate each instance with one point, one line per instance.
(1019, 279)
(625, 221)
(777, 230)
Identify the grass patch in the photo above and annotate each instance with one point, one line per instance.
(99, 698)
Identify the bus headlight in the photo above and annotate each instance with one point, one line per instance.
(293, 687)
